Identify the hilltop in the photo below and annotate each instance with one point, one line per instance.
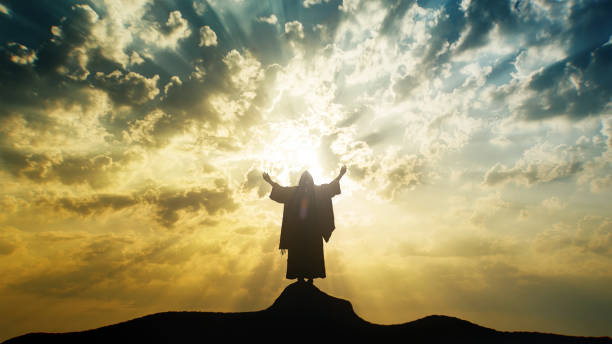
(301, 312)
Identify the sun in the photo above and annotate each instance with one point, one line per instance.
(290, 150)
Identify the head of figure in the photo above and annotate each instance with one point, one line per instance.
(306, 181)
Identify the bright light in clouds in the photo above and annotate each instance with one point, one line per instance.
(292, 149)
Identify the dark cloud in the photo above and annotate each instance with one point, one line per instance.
(571, 87)
(96, 170)
(58, 75)
(589, 26)
(170, 203)
(7, 247)
(95, 205)
(457, 31)
(127, 88)
(254, 181)
(575, 86)
(482, 16)
(65, 57)
(501, 72)
(446, 32)
(20, 54)
(188, 102)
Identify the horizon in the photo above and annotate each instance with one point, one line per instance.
(477, 137)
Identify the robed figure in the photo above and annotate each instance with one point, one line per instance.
(308, 219)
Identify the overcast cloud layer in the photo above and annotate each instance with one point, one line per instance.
(477, 135)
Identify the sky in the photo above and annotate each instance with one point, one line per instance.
(477, 136)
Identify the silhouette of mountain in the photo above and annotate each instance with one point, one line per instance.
(301, 312)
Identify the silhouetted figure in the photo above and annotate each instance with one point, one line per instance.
(308, 218)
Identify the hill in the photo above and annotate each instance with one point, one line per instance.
(301, 312)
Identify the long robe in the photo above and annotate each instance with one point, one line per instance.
(304, 228)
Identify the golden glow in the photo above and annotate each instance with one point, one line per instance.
(291, 150)
(130, 192)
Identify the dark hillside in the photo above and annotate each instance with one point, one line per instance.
(301, 312)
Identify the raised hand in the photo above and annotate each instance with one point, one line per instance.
(267, 178)
(342, 172)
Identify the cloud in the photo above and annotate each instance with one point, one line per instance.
(148, 130)
(309, 3)
(199, 7)
(397, 10)
(528, 174)
(136, 59)
(541, 164)
(401, 172)
(128, 88)
(10, 205)
(169, 34)
(208, 37)
(553, 204)
(96, 170)
(294, 30)
(94, 205)
(574, 87)
(386, 173)
(245, 70)
(445, 134)
(405, 84)
(481, 18)
(170, 203)
(254, 181)
(571, 85)
(447, 30)
(591, 235)
(589, 26)
(229, 97)
(56, 60)
(271, 19)
(20, 54)
(601, 184)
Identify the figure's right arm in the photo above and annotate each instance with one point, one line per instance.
(267, 178)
